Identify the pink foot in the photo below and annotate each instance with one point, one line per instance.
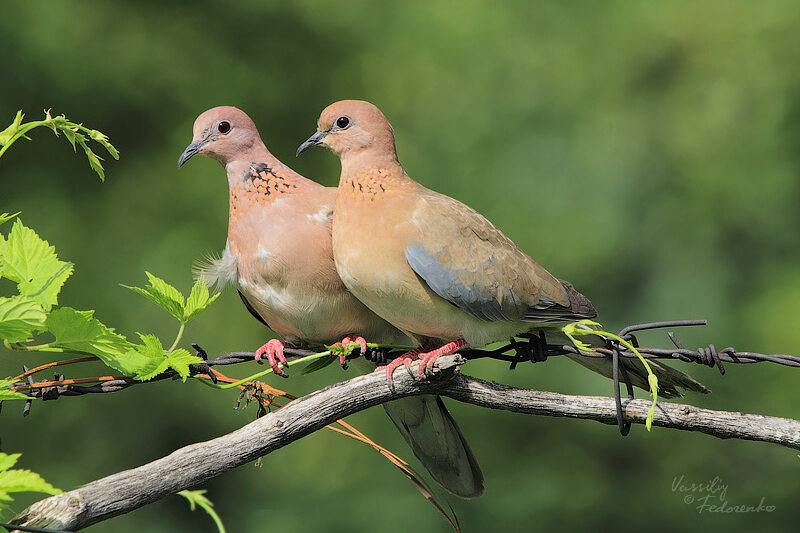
(346, 342)
(404, 359)
(429, 358)
(273, 348)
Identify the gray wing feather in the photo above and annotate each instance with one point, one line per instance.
(487, 303)
(496, 303)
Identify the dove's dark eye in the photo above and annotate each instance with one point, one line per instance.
(342, 122)
(224, 127)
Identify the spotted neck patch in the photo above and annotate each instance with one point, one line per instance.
(261, 184)
(367, 184)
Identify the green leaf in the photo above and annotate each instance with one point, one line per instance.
(155, 368)
(157, 360)
(5, 217)
(180, 359)
(20, 481)
(94, 160)
(71, 136)
(20, 316)
(163, 295)
(198, 301)
(6, 394)
(80, 331)
(7, 134)
(152, 346)
(33, 264)
(102, 139)
(12, 395)
(24, 481)
(110, 149)
(197, 498)
(153, 360)
(7, 461)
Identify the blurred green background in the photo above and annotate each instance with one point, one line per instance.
(649, 153)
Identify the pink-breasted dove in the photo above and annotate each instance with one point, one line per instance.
(279, 258)
(432, 266)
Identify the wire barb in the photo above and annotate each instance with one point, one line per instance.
(532, 348)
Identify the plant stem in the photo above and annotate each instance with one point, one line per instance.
(24, 128)
(178, 338)
(313, 357)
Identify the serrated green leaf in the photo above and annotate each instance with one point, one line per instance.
(7, 134)
(167, 291)
(179, 361)
(7, 460)
(6, 394)
(71, 136)
(94, 160)
(197, 498)
(12, 395)
(155, 368)
(33, 264)
(162, 294)
(5, 217)
(198, 301)
(25, 481)
(149, 358)
(152, 346)
(110, 149)
(157, 360)
(20, 317)
(138, 365)
(19, 480)
(80, 331)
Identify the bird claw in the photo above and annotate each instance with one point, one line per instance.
(404, 360)
(344, 347)
(273, 349)
(429, 358)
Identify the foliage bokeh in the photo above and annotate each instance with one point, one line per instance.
(646, 152)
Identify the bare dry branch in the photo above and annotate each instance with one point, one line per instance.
(721, 424)
(128, 490)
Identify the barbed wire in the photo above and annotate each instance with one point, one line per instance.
(532, 348)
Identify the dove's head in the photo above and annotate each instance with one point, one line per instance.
(351, 128)
(223, 133)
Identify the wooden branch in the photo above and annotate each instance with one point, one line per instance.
(128, 490)
(721, 424)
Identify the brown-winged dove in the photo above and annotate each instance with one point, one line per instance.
(434, 267)
(279, 258)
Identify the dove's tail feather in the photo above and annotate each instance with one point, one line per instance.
(670, 380)
(438, 443)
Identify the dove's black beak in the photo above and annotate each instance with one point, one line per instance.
(314, 140)
(191, 150)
